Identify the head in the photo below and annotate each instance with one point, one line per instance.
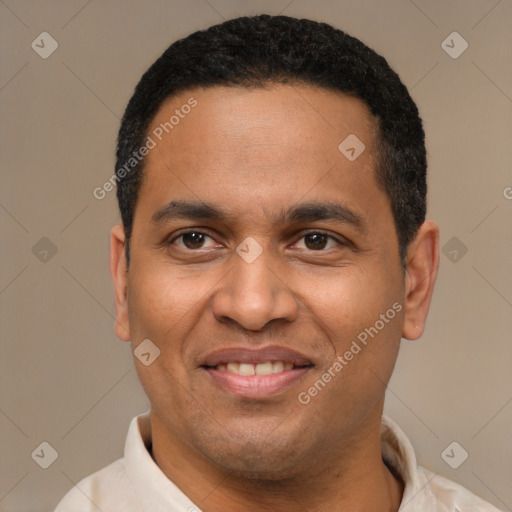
(245, 120)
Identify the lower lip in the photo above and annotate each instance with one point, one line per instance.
(257, 386)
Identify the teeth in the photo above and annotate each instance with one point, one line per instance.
(233, 367)
(247, 369)
(277, 366)
(264, 368)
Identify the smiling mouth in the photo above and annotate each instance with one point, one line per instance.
(250, 373)
(249, 369)
(257, 381)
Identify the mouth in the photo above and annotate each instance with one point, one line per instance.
(256, 374)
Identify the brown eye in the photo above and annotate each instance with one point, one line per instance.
(317, 241)
(191, 239)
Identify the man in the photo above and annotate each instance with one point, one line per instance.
(274, 250)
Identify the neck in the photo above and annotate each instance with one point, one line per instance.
(354, 478)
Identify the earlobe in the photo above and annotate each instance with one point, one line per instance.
(421, 273)
(118, 271)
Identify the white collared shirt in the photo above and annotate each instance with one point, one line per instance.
(135, 483)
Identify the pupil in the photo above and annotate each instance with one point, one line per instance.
(316, 237)
(196, 238)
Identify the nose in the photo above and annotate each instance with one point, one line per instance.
(254, 294)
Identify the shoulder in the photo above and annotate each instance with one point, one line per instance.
(104, 491)
(451, 496)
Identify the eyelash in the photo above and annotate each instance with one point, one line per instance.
(311, 232)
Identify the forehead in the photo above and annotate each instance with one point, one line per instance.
(297, 113)
(273, 145)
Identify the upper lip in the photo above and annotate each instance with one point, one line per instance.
(256, 356)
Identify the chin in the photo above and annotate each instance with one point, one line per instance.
(258, 468)
(256, 457)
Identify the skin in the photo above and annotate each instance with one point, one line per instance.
(252, 153)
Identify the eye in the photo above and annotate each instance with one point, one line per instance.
(317, 240)
(192, 239)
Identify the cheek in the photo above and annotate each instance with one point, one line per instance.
(158, 312)
(361, 314)
(349, 299)
(166, 308)
(147, 304)
(157, 300)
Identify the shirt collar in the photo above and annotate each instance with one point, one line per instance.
(154, 490)
(398, 452)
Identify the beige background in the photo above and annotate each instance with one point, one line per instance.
(66, 379)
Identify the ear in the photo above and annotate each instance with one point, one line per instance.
(119, 273)
(422, 264)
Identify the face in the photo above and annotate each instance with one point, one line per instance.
(286, 261)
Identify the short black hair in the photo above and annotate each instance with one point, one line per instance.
(259, 50)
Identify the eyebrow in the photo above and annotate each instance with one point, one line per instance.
(303, 212)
